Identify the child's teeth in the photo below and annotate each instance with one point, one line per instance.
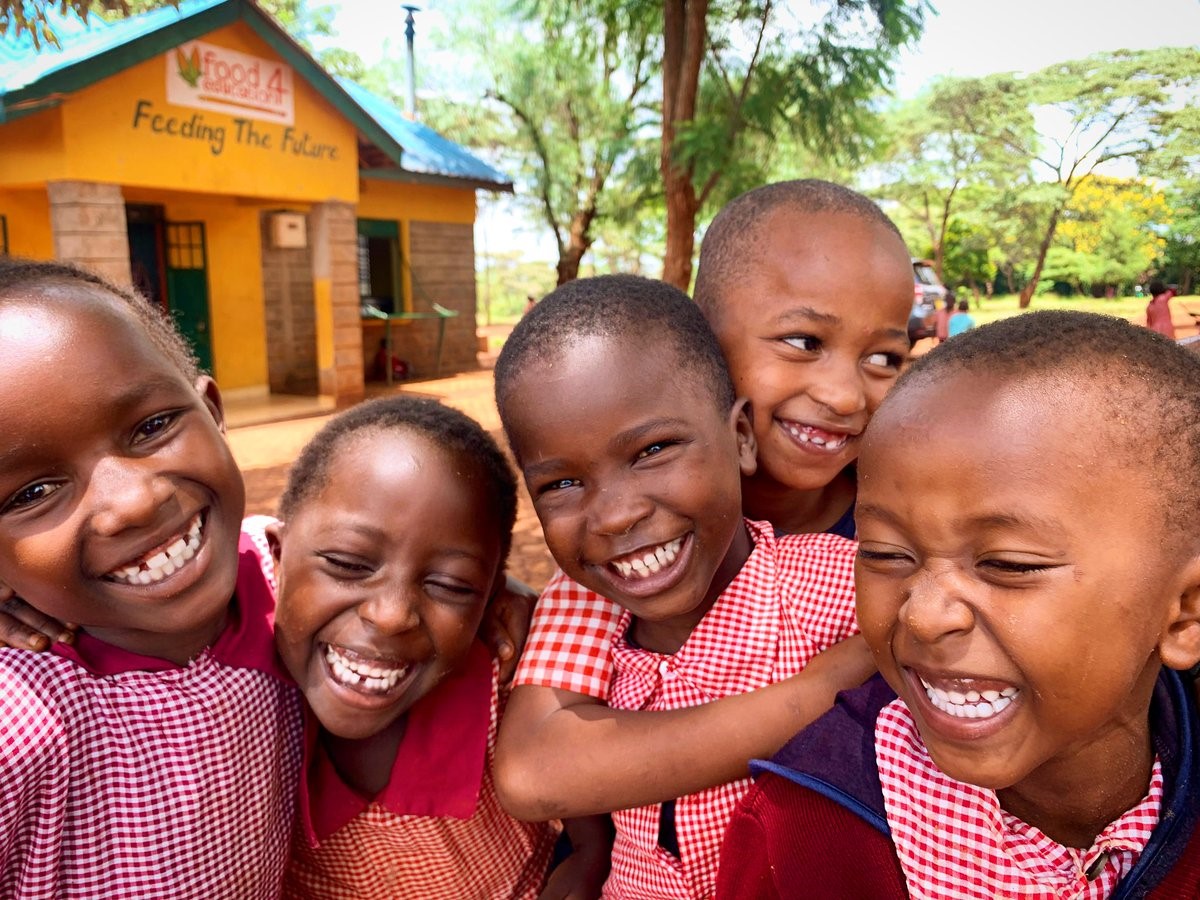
(971, 704)
(164, 562)
(371, 677)
(653, 561)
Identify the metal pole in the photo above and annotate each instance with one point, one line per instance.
(409, 33)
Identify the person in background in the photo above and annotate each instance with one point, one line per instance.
(961, 321)
(1158, 310)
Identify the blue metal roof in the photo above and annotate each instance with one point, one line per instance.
(34, 79)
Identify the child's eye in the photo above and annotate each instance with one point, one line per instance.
(154, 425)
(805, 342)
(345, 565)
(885, 360)
(30, 495)
(882, 555)
(1015, 567)
(557, 485)
(654, 449)
(453, 591)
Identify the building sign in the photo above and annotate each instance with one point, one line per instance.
(205, 76)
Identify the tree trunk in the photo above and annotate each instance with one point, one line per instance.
(683, 53)
(579, 240)
(1043, 249)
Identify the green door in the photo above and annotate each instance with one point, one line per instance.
(187, 286)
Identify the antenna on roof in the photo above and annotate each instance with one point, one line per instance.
(410, 106)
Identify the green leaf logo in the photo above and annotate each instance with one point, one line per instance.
(189, 66)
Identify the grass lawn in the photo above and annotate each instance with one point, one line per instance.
(1003, 306)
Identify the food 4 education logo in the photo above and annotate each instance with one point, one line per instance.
(205, 76)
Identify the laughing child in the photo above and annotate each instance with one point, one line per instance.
(621, 414)
(396, 523)
(1029, 583)
(159, 755)
(808, 287)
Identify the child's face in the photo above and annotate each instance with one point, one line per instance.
(120, 503)
(634, 473)
(814, 337)
(1006, 553)
(383, 578)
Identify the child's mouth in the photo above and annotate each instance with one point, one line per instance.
(164, 560)
(647, 562)
(367, 676)
(816, 438)
(966, 702)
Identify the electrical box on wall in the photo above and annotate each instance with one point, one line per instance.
(288, 231)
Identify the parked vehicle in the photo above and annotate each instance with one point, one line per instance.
(928, 292)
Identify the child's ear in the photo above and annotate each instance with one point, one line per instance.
(739, 419)
(274, 535)
(1179, 646)
(211, 395)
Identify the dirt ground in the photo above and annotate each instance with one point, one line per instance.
(265, 453)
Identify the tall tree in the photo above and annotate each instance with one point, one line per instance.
(733, 67)
(1099, 109)
(567, 97)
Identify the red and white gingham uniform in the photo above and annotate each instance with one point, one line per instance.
(793, 598)
(128, 776)
(955, 842)
(437, 829)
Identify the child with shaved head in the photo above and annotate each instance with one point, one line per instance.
(1029, 583)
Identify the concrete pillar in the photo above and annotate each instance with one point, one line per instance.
(333, 235)
(88, 223)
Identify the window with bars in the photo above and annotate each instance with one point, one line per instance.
(379, 266)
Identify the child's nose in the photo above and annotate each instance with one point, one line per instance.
(840, 387)
(128, 494)
(617, 511)
(935, 607)
(391, 609)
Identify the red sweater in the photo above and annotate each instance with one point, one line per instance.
(826, 839)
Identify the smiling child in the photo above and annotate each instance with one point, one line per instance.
(1029, 583)
(396, 523)
(158, 756)
(621, 413)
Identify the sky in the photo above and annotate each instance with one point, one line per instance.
(964, 37)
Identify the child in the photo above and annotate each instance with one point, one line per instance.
(621, 414)
(397, 519)
(1158, 310)
(961, 321)
(1029, 582)
(159, 755)
(808, 286)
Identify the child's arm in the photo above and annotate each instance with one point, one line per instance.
(24, 627)
(581, 875)
(562, 753)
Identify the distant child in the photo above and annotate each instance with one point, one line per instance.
(621, 414)
(396, 523)
(942, 317)
(961, 321)
(1029, 582)
(1158, 310)
(808, 287)
(159, 755)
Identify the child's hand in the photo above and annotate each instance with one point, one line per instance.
(581, 875)
(25, 628)
(505, 625)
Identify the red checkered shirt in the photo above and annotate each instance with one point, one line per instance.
(127, 776)
(793, 598)
(436, 830)
(954, 841)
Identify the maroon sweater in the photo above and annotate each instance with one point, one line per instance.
(814, 827)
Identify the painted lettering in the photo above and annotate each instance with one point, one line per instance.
(305, 145)
(247, 134)
(193, 128)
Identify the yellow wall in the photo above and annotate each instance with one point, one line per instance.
(380, 199)
(31, 149)
(235, 288)
(107, 139)
(28, 217)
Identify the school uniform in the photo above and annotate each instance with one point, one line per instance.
(793, 598)
(436, 830)
(129, 776)
(854, 806)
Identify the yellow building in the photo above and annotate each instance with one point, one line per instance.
(289, 221)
